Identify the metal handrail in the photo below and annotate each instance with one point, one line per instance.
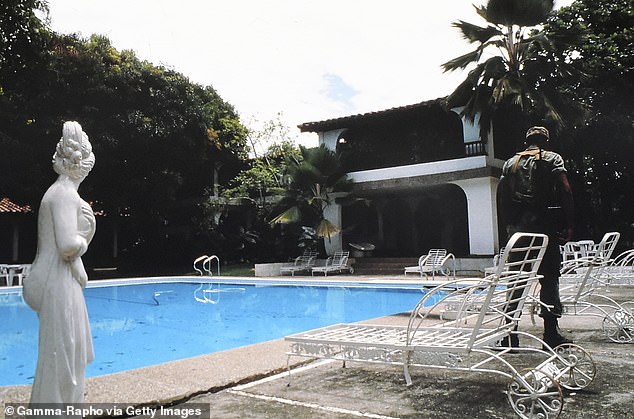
(207, 264)
(199, 259)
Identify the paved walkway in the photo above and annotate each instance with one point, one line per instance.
(251, 382)
(326, 390)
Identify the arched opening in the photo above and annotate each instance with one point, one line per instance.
(442, 220)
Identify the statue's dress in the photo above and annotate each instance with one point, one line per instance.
(65, 342)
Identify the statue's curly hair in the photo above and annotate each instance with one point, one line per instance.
(74, 151)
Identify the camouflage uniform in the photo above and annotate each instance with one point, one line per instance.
(532, 209)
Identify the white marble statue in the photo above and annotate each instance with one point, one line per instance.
(54, 287)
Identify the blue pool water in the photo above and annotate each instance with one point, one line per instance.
(138, 325)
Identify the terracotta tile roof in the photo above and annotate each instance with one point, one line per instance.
(6, 205)
(344, 121)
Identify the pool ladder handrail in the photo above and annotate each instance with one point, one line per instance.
(206, 264)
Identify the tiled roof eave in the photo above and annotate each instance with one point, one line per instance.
(344, 121)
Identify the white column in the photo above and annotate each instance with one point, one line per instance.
(482, 214)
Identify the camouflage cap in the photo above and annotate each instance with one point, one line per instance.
(541, 131)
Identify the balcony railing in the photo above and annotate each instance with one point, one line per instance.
(475, 148)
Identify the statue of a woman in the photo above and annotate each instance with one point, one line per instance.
(54, 287)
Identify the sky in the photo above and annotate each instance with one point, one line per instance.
(304, 60)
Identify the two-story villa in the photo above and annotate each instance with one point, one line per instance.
(427, 178)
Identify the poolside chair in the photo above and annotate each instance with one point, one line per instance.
(337, 263)
(302, 263)
(4, 274)
(10, 272)
(496, 262)
(435, 261)
(468, 344)
(583, 292)
(620, 271)
(569, 251)
(22, 272)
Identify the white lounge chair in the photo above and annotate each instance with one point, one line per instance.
(302, 263)
(620, 271)
(10, 272)
(581, 292)
(435, 261)
(496, 262)
(467, 344)
(570, 251)
(337, 263)
(4, 274)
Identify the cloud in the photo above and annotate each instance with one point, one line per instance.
(337, 90)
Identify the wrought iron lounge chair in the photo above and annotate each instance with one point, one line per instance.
(302, 263)
(337, 263)
(468, 344)
(496, 263)
(582, 292)
(620, 271)
(435, 261)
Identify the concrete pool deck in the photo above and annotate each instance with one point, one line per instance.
(230, 382)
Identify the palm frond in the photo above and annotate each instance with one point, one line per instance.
(291, 215)
(326, 229)
(462, 61)
(460, 95)
(305, 175)
(323, 159)
(340, 183)
(494, 68)
(474, 33)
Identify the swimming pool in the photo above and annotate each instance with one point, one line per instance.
(137, 324)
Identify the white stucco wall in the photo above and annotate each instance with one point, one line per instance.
(482, 213)
(420, 169)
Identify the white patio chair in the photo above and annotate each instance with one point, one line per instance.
(4, 274)
(496, 262)
(583, 292)
(570, 251)
(435, 261)
(21, 272)
(11, 272)
(337, 263)
(620, 271)
(302, 263)
(468, 343)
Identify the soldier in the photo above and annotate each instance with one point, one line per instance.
(535, 197)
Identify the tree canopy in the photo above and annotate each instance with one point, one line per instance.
(312, 181)
(600, 147)
(514, 76)
(157, 137)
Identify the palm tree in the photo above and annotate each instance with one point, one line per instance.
(515, 76)
(312, 180)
